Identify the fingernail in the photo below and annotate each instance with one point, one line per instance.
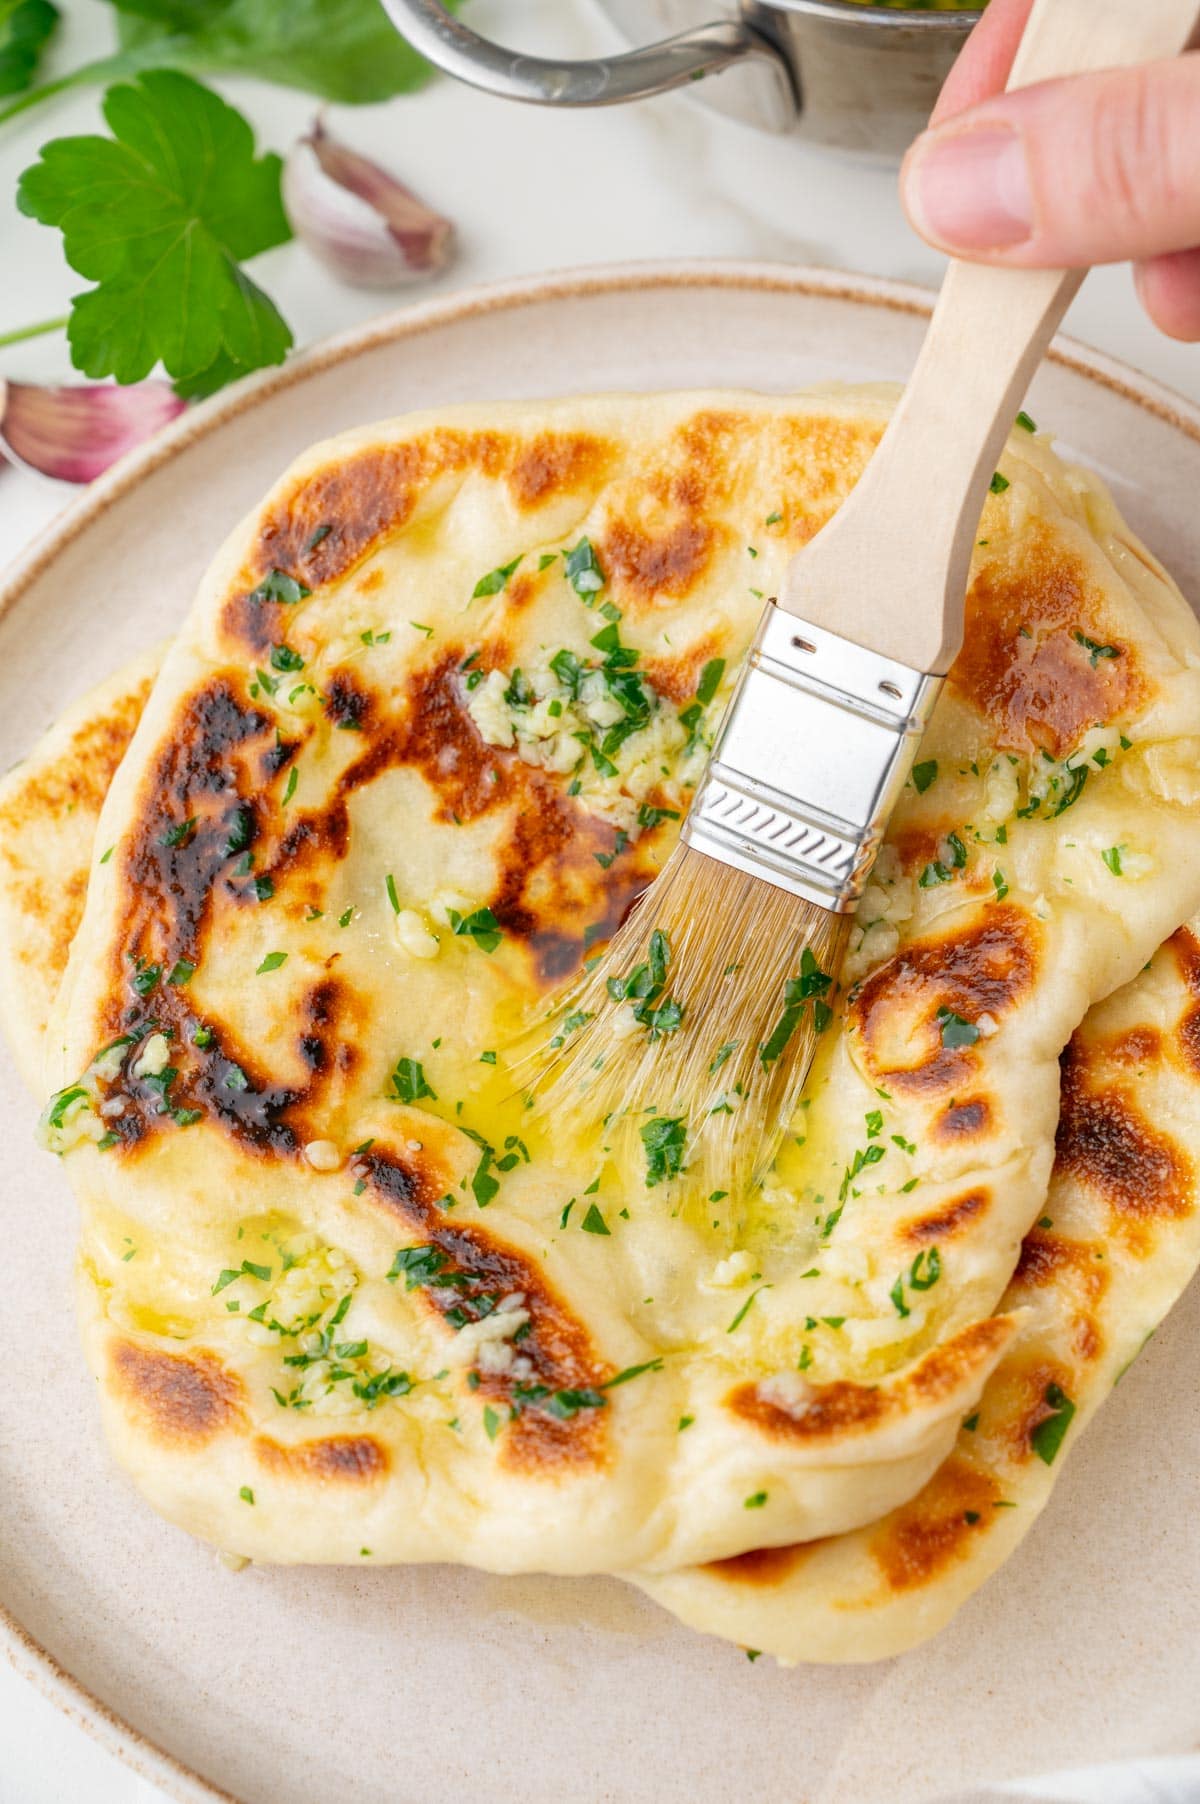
(969, 190)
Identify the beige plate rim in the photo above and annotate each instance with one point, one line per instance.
(30, 1659)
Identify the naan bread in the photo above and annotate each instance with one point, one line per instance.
(49, 805)
(333, 879)
(1117, 1243)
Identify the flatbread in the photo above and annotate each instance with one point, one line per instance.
(49, 806)
(1115, 1247)
(478, 1417)
(1117, 1242)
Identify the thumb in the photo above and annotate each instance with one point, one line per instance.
(1095, 169)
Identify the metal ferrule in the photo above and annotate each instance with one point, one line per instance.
(810, 761)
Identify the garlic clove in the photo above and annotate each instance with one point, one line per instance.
(74, 433)
(360, 221)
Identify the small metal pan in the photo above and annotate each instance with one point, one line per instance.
(857, 77)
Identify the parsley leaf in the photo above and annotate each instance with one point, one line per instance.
(160, 216)
(1047, 1437)
(710, 680)
(481, 926)
(1095, 650)
(665, 1141)
(811, 985)
(26, 27)
(344, 50)
(583, 571)
(409, 1083)
(956, 1031)
(495, 580)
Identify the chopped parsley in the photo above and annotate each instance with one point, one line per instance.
(1095, 650)
(277, 585)
(811, 985)
(593, 1222)
(710, 680)
(420, 1265)
(1077, 775)
(648, 818)
(264, 888)
(942, 869)
(998, 484)
(649, 1365)
(866, 1155)
(271, 962)
(245, 1270)
(480, 926)
(1112, 858)
(483, 1185)
(495, 580)
(241, 832)
(925, 1270)
(284, 658)
(583, 571)
(179, 834)
(409, 1082)
(955, 1030)
(246, 1494)
(1047, 1437)
(146, 978)
(756, 1501)
(643, 990)
(565, 1404)
(664, 1139)
(744, 1311)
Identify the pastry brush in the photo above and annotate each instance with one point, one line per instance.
(697, 1027)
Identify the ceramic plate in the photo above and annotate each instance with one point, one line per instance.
(279, 1686)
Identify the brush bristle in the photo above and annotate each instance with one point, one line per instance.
(705, 1010)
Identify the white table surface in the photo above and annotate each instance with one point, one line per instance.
(529, 190)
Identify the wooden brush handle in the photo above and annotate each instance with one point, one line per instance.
(890, 570)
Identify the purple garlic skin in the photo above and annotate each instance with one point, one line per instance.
(363, 224)
(74, 433)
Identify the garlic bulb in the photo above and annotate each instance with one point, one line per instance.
(362, 223)
(74, 433)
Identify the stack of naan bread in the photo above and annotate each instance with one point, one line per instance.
(278, 904)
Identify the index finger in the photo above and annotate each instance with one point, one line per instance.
(987, 57)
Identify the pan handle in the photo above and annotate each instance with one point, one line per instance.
(599, 81)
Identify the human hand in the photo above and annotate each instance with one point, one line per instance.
(1093, 169)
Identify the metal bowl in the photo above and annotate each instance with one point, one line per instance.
(859, 78)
